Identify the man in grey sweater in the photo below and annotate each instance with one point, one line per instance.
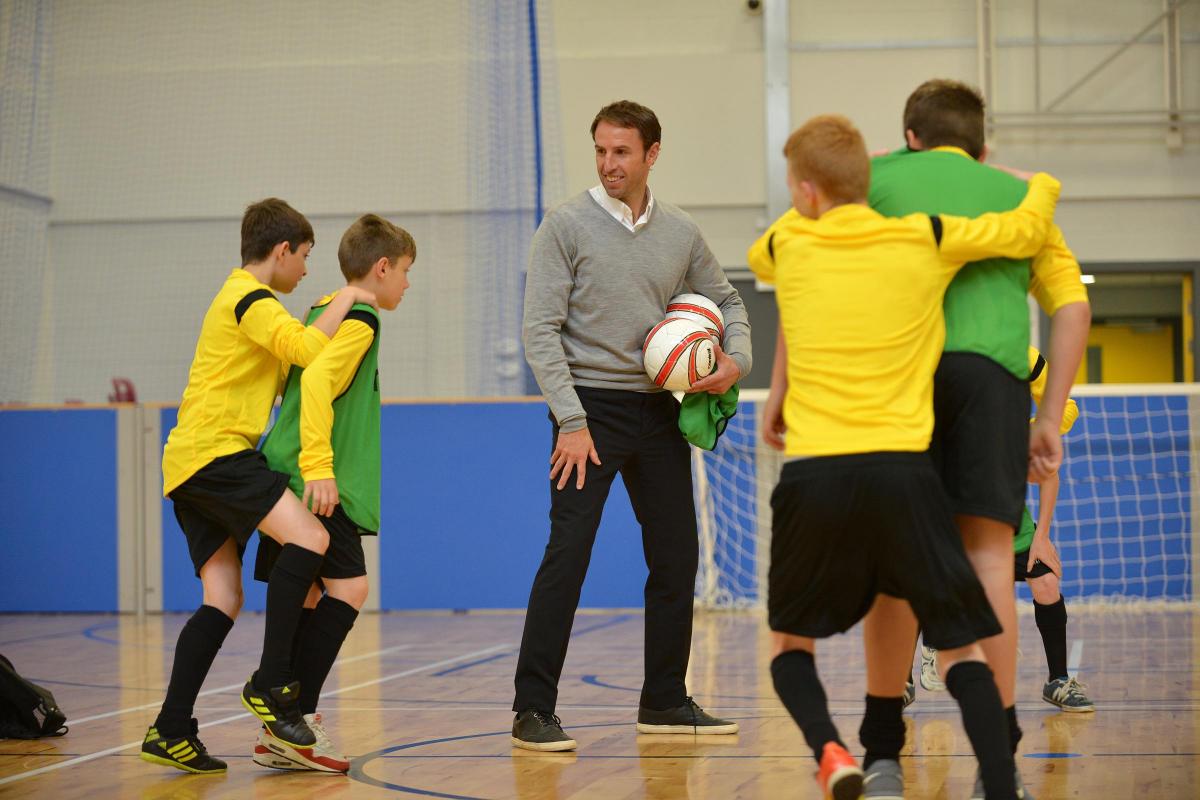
(603, 266)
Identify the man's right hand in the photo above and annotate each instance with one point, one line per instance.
(572, 451)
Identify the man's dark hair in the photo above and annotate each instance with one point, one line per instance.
(628, 114)
(946, 113)
(269, 222)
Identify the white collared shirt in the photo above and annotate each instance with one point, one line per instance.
(621, 212)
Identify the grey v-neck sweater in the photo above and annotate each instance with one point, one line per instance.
(595, 289)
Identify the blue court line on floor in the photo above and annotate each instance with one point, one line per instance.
(593, 680)
(90, 633)
(574, 635)
(40, 637)
(470, 664)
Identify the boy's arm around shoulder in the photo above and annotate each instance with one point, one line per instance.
(270, 325)
(1019, 233)
(325, 379)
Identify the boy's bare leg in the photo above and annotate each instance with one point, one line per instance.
(889, 636)
(989, 546)
(201, 639)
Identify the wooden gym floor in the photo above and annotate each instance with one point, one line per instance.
(422, 702)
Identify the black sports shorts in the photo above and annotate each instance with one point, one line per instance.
(846, 528)
(227, 497)
(980, 444)
(343, 559)
(1020, 573)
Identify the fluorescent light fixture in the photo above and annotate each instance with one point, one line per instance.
(1089, 278)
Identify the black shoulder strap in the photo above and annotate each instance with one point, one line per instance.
(771, 245)
(1037, 368)
(365, 317)
(244, 304)
(936, 222)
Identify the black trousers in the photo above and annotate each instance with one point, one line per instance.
(635, 434)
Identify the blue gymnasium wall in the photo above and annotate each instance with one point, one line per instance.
(465, 509)
(58, 482)
(464, 515)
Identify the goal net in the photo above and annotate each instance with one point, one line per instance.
(1123, 524)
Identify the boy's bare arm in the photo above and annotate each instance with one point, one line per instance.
(774, 427)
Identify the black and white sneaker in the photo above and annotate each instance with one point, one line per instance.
(279, 710)
(687, 718)
(537, 730)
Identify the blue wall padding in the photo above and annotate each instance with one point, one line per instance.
(58, 534)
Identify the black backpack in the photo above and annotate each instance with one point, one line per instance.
(27, 711)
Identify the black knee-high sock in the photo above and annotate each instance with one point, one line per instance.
(1014, 729)
(882, 729)
(1052, 624)
(293, 574)
(327, 629)
(795, 676)
(298, 640)
(201, 638)
(972, 685)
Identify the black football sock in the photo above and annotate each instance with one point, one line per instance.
(1052, 624)
(882, 729)
(795, 676)
(293, 574)
(972, 685)
(1014, 730)
(201, 638)
(327, 629)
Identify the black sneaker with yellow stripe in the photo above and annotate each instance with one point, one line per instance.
(279, 710)
(186, 753)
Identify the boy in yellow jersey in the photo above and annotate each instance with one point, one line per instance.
(326, 440)
(859, 516)
(222, 489)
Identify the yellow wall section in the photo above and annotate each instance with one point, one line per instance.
(1132, 356)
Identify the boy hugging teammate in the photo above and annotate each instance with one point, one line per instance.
(860, 520)
(326, 440)
(222, 488)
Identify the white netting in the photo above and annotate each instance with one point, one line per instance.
(1123, 523)
(146, 127)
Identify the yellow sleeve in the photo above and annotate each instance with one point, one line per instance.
(1019, 233)
(761, 255)
(323, 381)
(1070, 414)
(1057, 280)
(269, 325)
(1037, 388)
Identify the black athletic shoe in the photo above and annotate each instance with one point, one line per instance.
(687, 718)
(279, 710)
(186, 753)
(537, 730)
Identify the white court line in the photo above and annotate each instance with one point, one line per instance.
(228, 688)
(101, 753)
(1075, 657)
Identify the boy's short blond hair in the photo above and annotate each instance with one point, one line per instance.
(829, 151)
(370, 238)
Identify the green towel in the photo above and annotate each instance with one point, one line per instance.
(703, 416)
